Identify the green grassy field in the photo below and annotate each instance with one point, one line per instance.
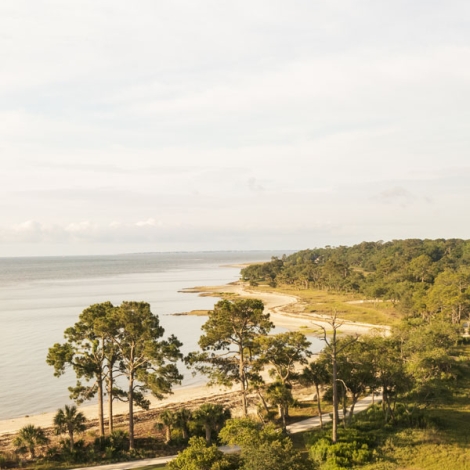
(324, 302)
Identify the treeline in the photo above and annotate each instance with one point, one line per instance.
(421, 277)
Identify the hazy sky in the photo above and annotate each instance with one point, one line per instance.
(204, 125)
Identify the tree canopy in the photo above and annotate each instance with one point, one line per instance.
(423, 277)
(229, 343)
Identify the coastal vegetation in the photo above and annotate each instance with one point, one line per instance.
(417, 371)
(124, 341)
(421, 278)
(228, 344)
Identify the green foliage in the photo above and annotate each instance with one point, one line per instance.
(280, 395)
(184, 416)
(71, 421)
(282, 353)
(88, 350)
(30, 437)
(166, 420)
(261, 447)
(273, 455)
(212, 418)
(229, 341)
(341, 454)
(199, 456)
(420, 277)
(113, 446)
(125, 340)
(147, 361)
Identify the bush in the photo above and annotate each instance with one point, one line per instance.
(341, 454)
(112, 446)
(80, 453)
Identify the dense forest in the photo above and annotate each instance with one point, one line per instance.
(422, 277)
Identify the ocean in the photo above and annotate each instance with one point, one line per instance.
(40, 297)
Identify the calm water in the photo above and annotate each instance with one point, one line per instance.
(40, 297)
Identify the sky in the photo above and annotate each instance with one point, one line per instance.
(215, 125)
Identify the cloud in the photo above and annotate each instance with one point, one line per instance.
(149, 222)
(397, 195)
(148, 231)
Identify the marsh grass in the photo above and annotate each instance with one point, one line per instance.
(322, 302)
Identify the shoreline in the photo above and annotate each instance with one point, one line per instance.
(285, 312)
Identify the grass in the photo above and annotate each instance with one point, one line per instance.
(322, 302)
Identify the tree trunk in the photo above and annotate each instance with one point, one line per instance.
(319, 406)
(208, 433)
(351, 411)
(283, 419)
(263, 401)
(110, 399)
(71, 441)
(100, 405)
(241, 370)
(345, 409)
(131, 412)
(334, 432)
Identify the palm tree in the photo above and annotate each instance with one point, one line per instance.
(183, 417)
(280, 394)
(69, 420)
(28, 438)
(166, 420)
(212, 417)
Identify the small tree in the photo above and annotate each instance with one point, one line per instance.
(211, 417)
(28, 438)
(262, 447)
(283, 352)
(356, 369)
(280, 394)
(71, 421)
(183, 418)
(198, 456)
(167, 419)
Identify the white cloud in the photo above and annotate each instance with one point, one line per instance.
(149, 223)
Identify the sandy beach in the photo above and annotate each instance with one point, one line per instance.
(285, 311)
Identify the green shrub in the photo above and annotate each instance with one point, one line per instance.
(341, 454)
